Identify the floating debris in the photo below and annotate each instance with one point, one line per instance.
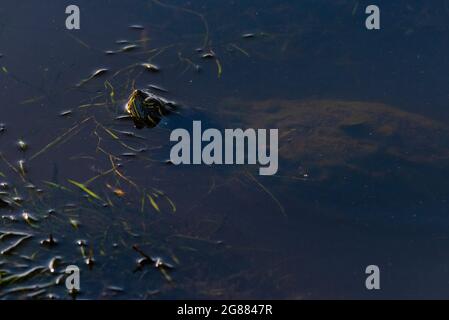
(117, 191)
(30, 186)
(131, 134)
(23, 146)
(124, 117)
(143, 254)
(15, 278)
(74, 223)
(115, 289)
(66, 113)
(49, 242)
(248, 35)
(22, 167)
(141, 262)
(144, 259)
(6, 234)
(17, 199)
(211, 55)
(82, 243)
(54, 263)
(8, 217)
(29, 218)
(17, 243)
(129, 154)
(73, 292)
(147, 109)
(129, 47)
(208, 55)
(95, 74)
(99, 72)
(157, 88)
(110, 52)
(90, 261)
(122, 41)
(136, 27)
(150, 67)
(161, 264)
(2, 127)
(157, 263)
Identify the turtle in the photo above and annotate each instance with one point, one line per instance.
(337, 133)
(147, 109)
(366, 161)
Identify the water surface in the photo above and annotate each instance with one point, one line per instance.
(308, 232)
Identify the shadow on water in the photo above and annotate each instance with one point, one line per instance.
(360, 182)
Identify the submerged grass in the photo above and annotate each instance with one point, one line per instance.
(59, 139)
(117, 231)
(85, 189)
(153, 203)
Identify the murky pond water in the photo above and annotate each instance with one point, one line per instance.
(363, 147)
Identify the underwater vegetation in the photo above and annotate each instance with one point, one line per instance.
(105, 207)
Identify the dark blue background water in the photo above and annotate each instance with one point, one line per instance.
(302, 50)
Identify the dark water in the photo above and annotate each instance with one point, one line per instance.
(308, 232)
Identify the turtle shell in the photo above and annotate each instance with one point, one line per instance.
(321, 135)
